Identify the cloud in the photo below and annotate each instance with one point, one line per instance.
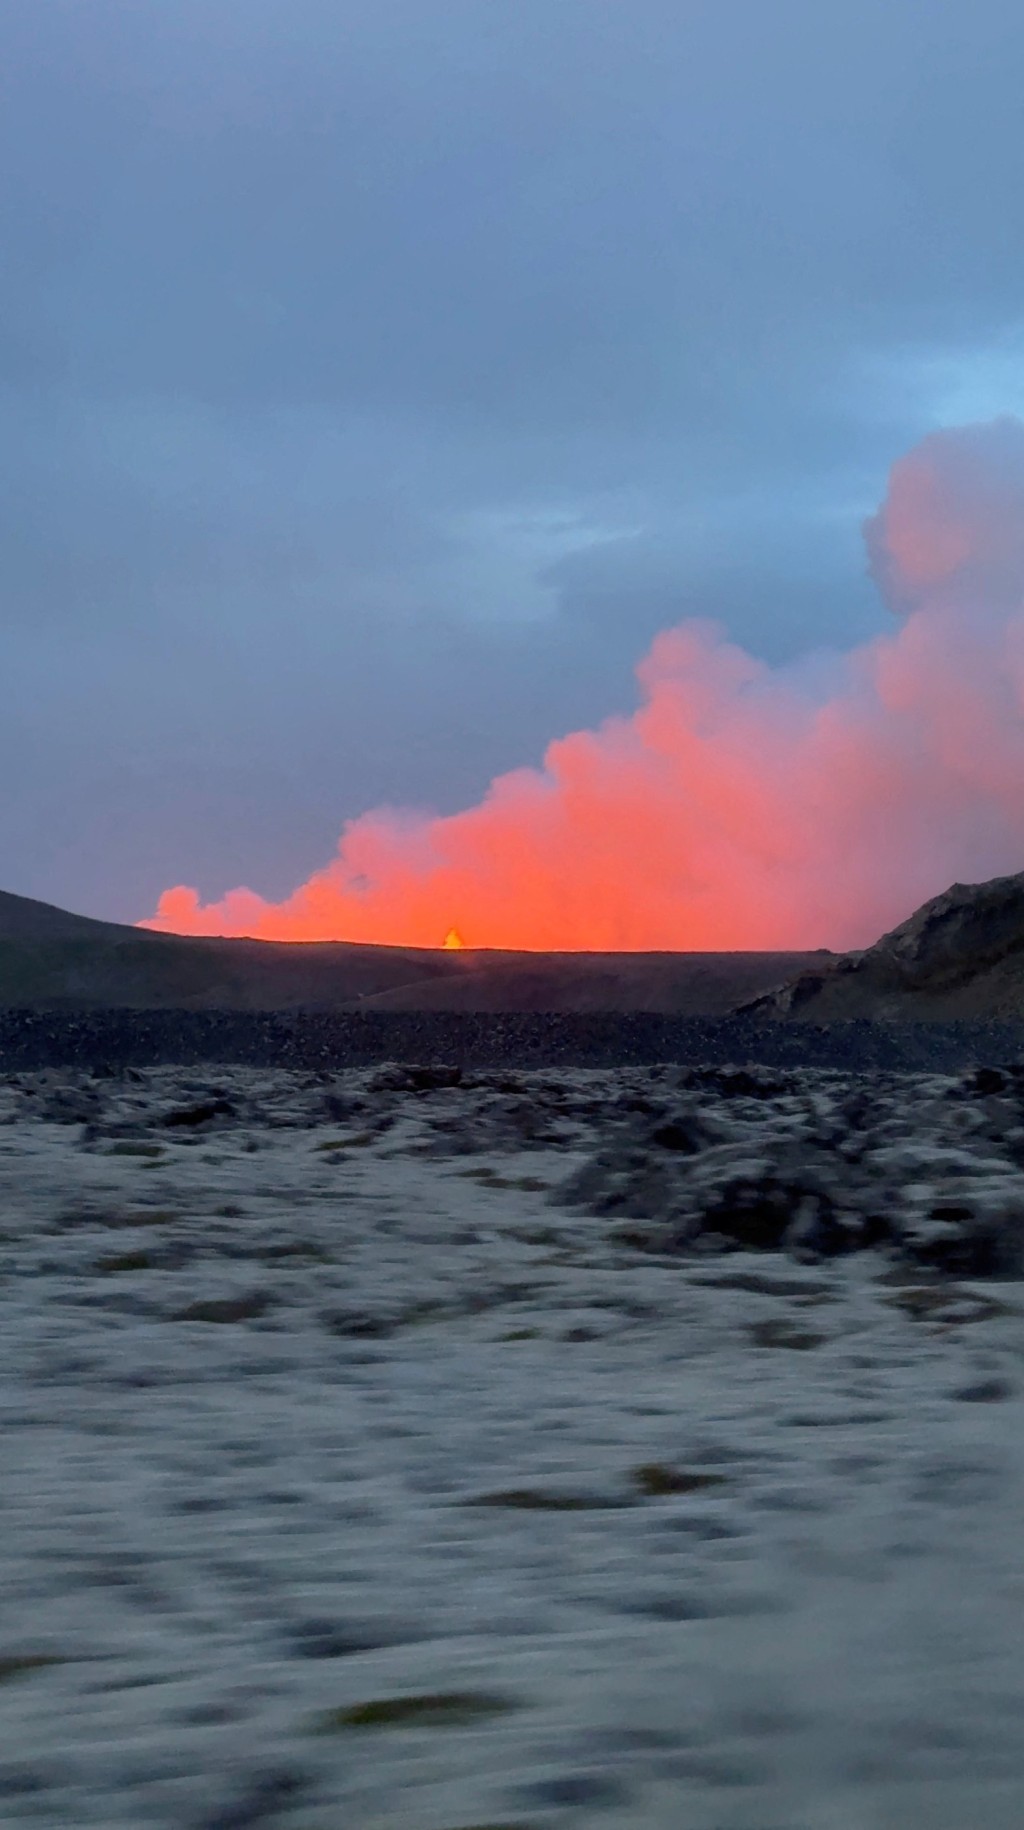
(737, 807)
(952, 525)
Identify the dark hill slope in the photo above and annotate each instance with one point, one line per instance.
(21, 918)
(681, 984)
(55, 960)
(960, 957)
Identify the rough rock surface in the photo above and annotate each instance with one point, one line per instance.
(352, 1477)
(931, 1169)
(326, 1041)
(959, 956)
(813, 1162)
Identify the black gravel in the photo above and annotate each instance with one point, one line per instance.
(121, 1038)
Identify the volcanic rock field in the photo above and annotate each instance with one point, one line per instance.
(429, 1447)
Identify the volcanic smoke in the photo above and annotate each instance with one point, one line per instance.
(736, 807)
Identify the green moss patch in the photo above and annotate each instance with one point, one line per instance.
(112, 1219)
(126, 1261)
(947, 1304)
(23, 1664)
(778, 1331)
(293, 1251)
(226, 1309)
(539, 1499)
(656, 1479)
(430, 1709)
(491, 1178)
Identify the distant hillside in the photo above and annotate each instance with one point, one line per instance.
(959, 957)
(48, 956)
(52, 959)
(23, 919)
(683, 984)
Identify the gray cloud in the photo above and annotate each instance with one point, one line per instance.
(376, 381)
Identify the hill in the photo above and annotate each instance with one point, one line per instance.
(52, 959)
(23, 919)
(960, 957)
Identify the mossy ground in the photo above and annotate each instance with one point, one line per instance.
(656, 1479)
(430, 1709)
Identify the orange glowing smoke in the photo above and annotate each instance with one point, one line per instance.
(740, 805)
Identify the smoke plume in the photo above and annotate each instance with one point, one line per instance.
(737, 806)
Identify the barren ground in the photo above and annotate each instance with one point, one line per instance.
(350, 1479)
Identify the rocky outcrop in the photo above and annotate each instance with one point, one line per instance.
(925, 1170)
(959, 956)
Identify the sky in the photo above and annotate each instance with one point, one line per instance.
(378, 382)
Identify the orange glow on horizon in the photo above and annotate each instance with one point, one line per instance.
(741, 805)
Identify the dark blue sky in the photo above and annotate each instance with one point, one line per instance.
(376, 381)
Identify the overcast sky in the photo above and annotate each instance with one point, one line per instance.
(378, 378)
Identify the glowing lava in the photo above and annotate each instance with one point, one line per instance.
(453, 941)
(740, 805)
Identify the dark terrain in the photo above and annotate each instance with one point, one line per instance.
(960, 957)
(943, 991)
(54, 960)
(108, 1040)
(400, 1448)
